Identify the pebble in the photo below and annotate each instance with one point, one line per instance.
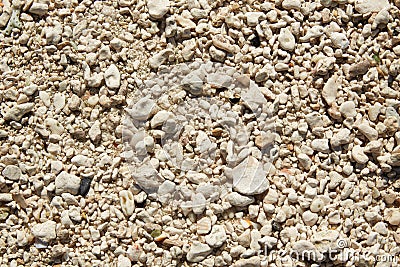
(17, 112)
(193, 84)
(67, 183)
(127, 202)
(359, 69)
(204, 226)
(84, 186)
(53, 34)
(286, 40)
(59, 102)
(249, 177)
(95, 132)
(253, 18)
(381, 19)
(112, 77)
(367, 6)
(310, 218)
(381, 228)
(326, 239)
(124, 261)
(320, 145)
(30, 89)
(147, 178)
(348, 109)
(395, 159)
(271, 197)
(238, 200)
(219, 80)
(198, 252)
(12, 172)
(198, 203)
(335, 180)
(373, 111)
(160, 58)
(368, 131)
(46, 231)
(334, 218)
(317, 205)
(5, 197)
(330, 90)
(222, 42)
(217, 54)
(392, 216)
(291, 4)
(196, 177)
(304, 161)
(39, 9)
(339, 40)
(342, 137)
(217, 237)
(358, 154)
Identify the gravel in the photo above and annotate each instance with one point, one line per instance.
(201, 133)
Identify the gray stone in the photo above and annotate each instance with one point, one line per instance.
(304, 161)
(217, 237)
(339, 40)
(147, 178)
(142, 109)
(67, 183)
(39, 9)
(160, 58)
(320, 145)
(253, 98)
(249, 178)
(310, 218)
(198, 203)
(12, 172)
(198, 252)
(158, 8)
(238, 200)
(219, 80)
(348, 109)
(358, 154)
(193, 84)
(95, 132)
(112, 77)
(368, 131)
(342, 137)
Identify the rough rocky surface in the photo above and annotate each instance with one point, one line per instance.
(199, 133)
